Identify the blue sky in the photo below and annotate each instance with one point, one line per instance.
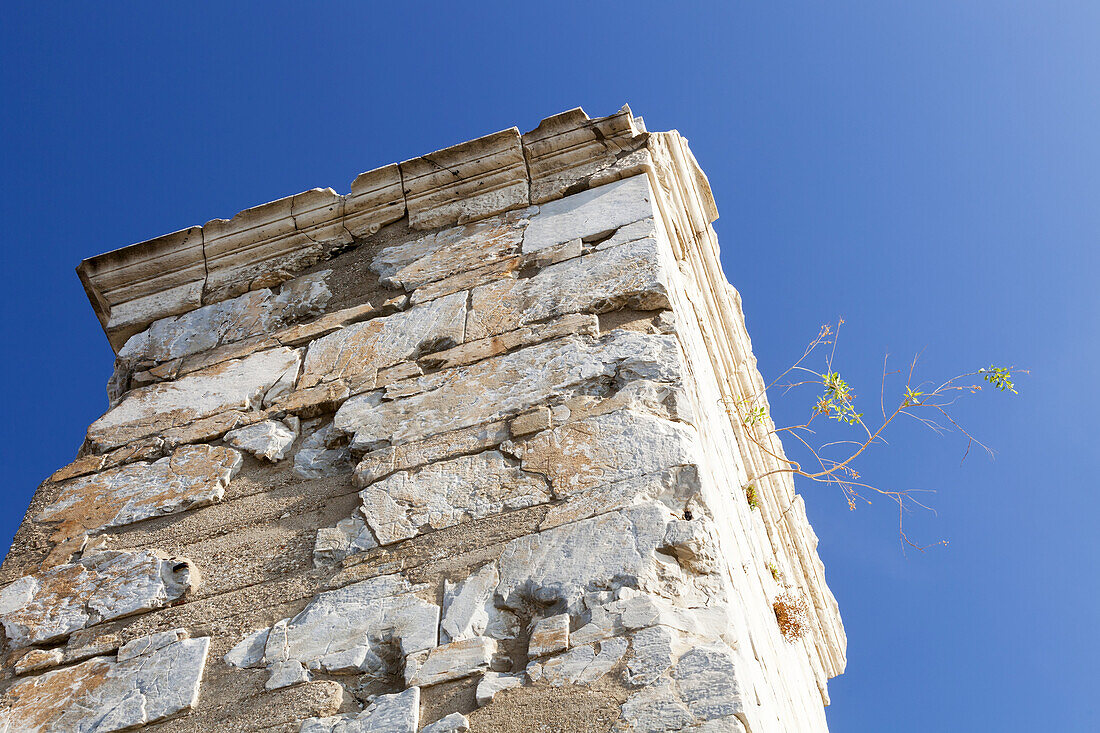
(929, 171)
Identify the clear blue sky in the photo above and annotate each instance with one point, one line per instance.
(928, 170)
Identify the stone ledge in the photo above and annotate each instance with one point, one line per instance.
(259, 247)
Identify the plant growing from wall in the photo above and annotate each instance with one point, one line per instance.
(834, 462)
(751, 497)
(792, 614)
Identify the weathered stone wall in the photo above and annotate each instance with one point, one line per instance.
(448, 452)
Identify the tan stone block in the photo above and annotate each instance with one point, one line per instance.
(471, 351)
(380, 463)
(569, 151)
(531, 422)
(453, 251)
(630, 275)
(505, 269)
(235, 385)
(117, 695)
(465, 182)
(549, 636)
(104, 585)
(364, 348)
(193, 476)
(376, 199)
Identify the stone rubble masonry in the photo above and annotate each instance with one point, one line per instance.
(445, 453)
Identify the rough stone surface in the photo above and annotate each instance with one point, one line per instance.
(101, 586)
(447, 493)
(350, 629)
(452, 251)
(493, 682)
(582, 665)
(348, 537)
(604, 449)
(107, 695)
(559, 565)
(251, 314)
(234, 385)
(398, 713)
(651, 655)
(269, 439)
(192, 476)
(549, 636)
(493, 388)
(453, 723)
(451, 661)
(323, 453)
(469, 609)
(361, 349)
(249, 651)
(590, 213)
(630, 275)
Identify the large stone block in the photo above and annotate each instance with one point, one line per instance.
(465, 182)
(447, 493)
(557, 567)
(629, 275)
(254, 313)
(569, 151)
(590, 213)
(604, 449)
(103, 695)
(193, 476)
(350, 630)
(360, 350)
(102, 585)
(242, 384)
(452, 251)
(397, 713)
(493, 388)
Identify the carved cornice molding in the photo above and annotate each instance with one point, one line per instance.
(131, 287)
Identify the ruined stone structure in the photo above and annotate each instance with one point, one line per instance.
(448, 452)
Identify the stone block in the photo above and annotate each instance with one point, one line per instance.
(349, 629)
(269, 439)
(493, 682)
(549, 636)
(108, 695)
(235, 385)
(130, 288)
(569, 151)
(466, 182)
(446, 493)
(103, 585)
(375, 200)
(451, 661)
(453, 723)
(605, 449)
(192, 476)
(630, 275)
(556, 567)
(397, 713)
(248, 315)
(453, 251)
(501, 386)
(590, 213)
(364, 348)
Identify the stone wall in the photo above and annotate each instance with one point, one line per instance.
(448, 452)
